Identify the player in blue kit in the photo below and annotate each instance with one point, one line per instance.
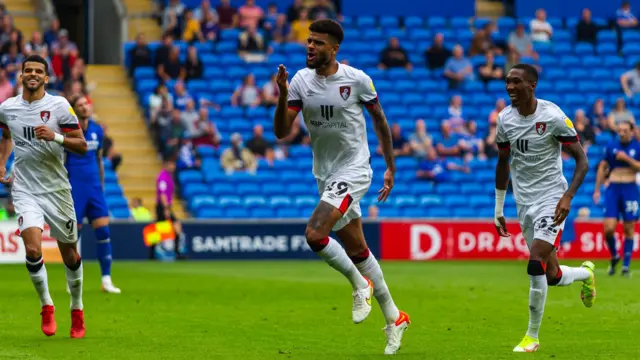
(622, 162)
(86, 174)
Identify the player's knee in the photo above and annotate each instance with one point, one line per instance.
(33, 251)
(536, 268)
(554, 279)
(316, 240)
(102, 233)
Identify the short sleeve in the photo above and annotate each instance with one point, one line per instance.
(563, 129)
(501, 137)
(67, 119)
(366, 91)
(294, 101)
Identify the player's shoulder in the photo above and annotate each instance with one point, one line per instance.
(304, 73)
(11, 102)
(58, 100)
(550, 109)
(505, 114)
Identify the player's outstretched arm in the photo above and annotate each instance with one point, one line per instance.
(286, 109)
(502, 181)
(383, 132)
(576, 151)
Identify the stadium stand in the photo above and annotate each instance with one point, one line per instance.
(573, 75)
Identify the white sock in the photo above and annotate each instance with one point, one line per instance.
(537, 297)
(74, 280)
(371, 269)
(337, 258)
(571, 274)
(40, 281)
(106, 279)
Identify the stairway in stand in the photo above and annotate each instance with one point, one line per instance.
(140, 20)
(24, 16)
(116, 106)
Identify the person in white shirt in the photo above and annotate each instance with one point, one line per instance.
(32, 125)
(530, 134)
(331, 97)
(541, 30)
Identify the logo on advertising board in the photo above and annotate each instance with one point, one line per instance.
(249, 244)
(450, 240)
(590, 242)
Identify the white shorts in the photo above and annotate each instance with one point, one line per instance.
(54, 208)
(344, 191)
(536, 222)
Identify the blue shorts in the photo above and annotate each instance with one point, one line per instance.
(89, 202)
(621, 200)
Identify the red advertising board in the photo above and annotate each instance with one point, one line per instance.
(591, 244)
(478, 240)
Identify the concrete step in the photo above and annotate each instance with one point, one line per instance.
(139, 6)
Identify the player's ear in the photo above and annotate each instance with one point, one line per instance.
(46, 79)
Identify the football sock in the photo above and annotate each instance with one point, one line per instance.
(567, 275)
(104, 250)
(628, 251)
(537, 296)
(333, 253)
(74, 280)
(611, 244)
(38, 274)
(369, 267)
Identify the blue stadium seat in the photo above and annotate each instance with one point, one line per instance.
(197, 202)
(192, 189)
(114, 202)
(413, 22)
(120, 213)
(112, 189)
(288, 213)
(210, 213)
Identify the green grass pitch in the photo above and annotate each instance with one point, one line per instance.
(302, 310)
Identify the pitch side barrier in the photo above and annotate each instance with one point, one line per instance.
(389, 239)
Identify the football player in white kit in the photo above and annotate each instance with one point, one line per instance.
(32, 125)
(532, 132)
(331, 97)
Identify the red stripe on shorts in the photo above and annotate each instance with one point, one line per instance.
(346, 202)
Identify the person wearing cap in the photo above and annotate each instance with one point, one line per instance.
(238, 157)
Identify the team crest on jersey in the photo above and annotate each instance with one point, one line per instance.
(45, 116)
(541, 128)
(345, 92)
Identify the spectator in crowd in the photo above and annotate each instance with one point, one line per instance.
(630, 81)
(51, 35)
(490, 146)
(270, 91)
(187, 157)
(437, 55)
(323, 9)
(182, 96)
(300, 28)
(160, 122)
(489, 70)
(482, 43)
(163, 51)
(298, 135)
(192, 31)
(599, 117)
(109, 150)
(247, 94)
(8, 28)
(238, 157)
(458, 68)
(171, 135)
(436, 169)
(625, 18)
(585, 131)
(156, 99)
(12, 61)
(65, 45)
(471, 144)
(6, 89)
(394, 56)
(140, 54)
(172, 17)
(258, 145)
(228, 15)
(449, 145)
(172, 69)
(401, 146)
(456, 117)
(250, 14)
(11, 41)
(205, 9)
(280, 31)
(521, 43)
(293, 12)
(73, 89)
(420, 141)
(36, 44)
(586, 30)
(251, 44)
(540, 28)
(139, 212)
(270, 18)
(493, 116)
(619, 114)
(190, 119)
(373, 212)
(209, 26)
(208, 133)
(193, 66)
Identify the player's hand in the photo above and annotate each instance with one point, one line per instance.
(562, 210)
(383, 193)
(44, 133)
(622, 156)
(282, 79)
(501, 226)
(596, 197)
(3, 173)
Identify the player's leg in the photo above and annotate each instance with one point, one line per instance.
(631, 197)
(98, 214)
(356, 247)
(562, 275)
(629, 229)
(180, 239)
(611, 208)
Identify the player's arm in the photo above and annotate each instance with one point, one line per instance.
(6, 145)
(288, 105)
(73, 138)
(576, 151)
(502, 179)
(603, 169)
(100, 166)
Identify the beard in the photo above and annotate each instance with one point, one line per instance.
(26, 85)
(320, 61)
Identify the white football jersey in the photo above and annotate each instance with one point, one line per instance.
(332, 108)
(535, 142)
(39, 164)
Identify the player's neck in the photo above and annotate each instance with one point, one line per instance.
(528, 108)
(84, 124)
(31, 96)
(329, 69)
